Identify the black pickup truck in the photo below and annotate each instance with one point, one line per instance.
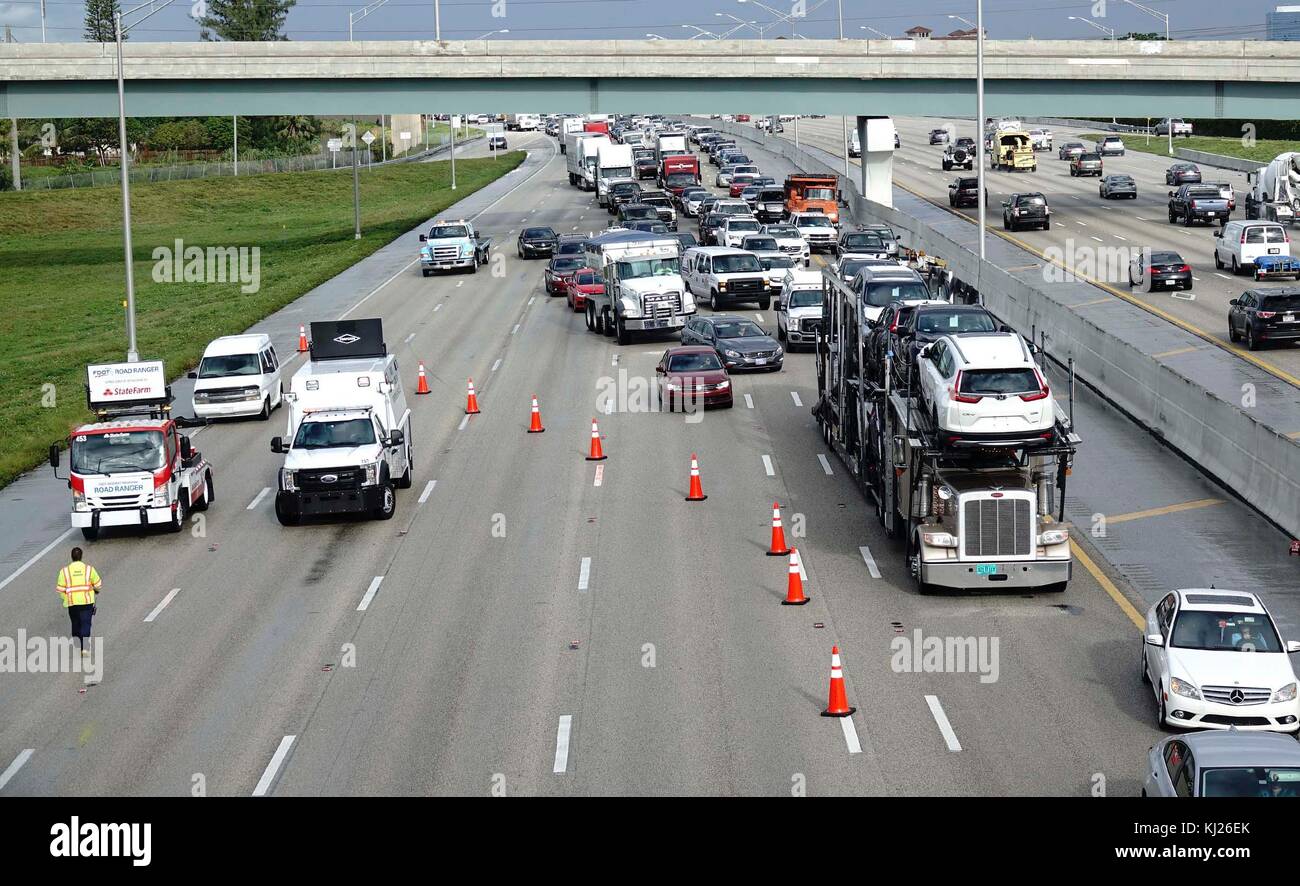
(1193, 203)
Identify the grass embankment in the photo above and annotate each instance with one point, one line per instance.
(1261, 151)
(62, 279)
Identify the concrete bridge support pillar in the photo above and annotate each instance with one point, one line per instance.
(876, 136)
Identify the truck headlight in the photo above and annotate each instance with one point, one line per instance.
(466, 250)
(426, 252)
(160, 499)
(630, 307)
(1054, 537)
(722, 286)
(1183, 688)
(200, 396)
(939, 539)
(372, 474)
(287, 481)
(79, 501)
(1286, 693)
(252, 394)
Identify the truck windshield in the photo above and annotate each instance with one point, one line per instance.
(760, 243)
(882, 293)
(329, 434)
(677, 179)
(865, 242)
(229, 364)
(117, 451)
(617, 172)
(814, 221)
(442, 232)
(818, 194)
(647, 267)
(806, 298)
(776, 262)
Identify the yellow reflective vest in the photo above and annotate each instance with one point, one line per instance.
(78, 583)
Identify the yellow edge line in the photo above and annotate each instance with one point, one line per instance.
(1167, 509)
(1164, 315)
(1107, 585)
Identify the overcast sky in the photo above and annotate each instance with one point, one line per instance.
(634, 19)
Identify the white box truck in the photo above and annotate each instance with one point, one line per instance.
(613, 164)
(670, 144)
(523, 122)
(347, 448)
(581, 156)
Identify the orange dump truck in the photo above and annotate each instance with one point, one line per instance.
(810, 193)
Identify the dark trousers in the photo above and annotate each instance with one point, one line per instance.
(81, 617)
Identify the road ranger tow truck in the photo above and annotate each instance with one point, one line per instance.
(132, 466)
(971, 515)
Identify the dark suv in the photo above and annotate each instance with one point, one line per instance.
(1086, 164)
(964, 191)
(905, 327)
(536, 241)
(1026, 210)
(1263, 316)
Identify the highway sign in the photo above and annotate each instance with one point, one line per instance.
(368, 137)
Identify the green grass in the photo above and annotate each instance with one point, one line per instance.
(1262, 151)
(62, 279)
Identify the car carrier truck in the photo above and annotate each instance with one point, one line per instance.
(970, 516)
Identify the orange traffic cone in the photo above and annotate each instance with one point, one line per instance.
(535, 426)
(422, 386)
(838, 703)
(302, 339)
(697, 491)
(778, 548)
(794, 595)
(597, 454)
(471, 401)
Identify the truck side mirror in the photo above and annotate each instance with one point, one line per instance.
(1231, 301)
(396, 438)
(277, 445)
(191, 375)
(423, 238)
(187, 449)
(54, 454)
(1171, 193)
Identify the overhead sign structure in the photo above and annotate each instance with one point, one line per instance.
(119, 384)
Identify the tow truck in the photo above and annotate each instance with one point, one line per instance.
(132, 466)
(971, 516)
(453, 244)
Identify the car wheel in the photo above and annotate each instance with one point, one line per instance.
(1236, 268)
(607, 323)
(1252, 344)
(1188, 220)
(266, 409)
(780, 334)
(1233, 335)
(1218, 262)
(387, 504)
(178, 516)
(89, 533)
(764, 304)
(1047, 226)
(1162, 719)
(1146, 675)
(1172, 218)
(209, 494)
(591, 318)
(623, 336)
(714, 304)
(424, 272)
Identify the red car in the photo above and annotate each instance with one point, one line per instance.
(742, 118)
(582, 283)
(693, 374)
(558, 271)
(740, 182)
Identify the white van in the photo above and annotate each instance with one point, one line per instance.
(238, 375)
(1238, 243)
(799, 308)
(726, 276)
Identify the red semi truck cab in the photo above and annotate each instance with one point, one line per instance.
(596, 126)
(673, 172)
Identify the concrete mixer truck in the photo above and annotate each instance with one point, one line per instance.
(1275, 190)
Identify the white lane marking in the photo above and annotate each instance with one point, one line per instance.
(869, 560)
(941, 719)
(524, 219)
(1194, 277)
(496, 365)
(1084, 224)
(562, 745)
(826, 465)
(257, 499)
(370, 593)
(749, 402)
(1184, 233)
(459, 284)
(795, 396)
(600, 475)
(273, 768)
(575, 227)
(464, 421)
(1099, 240)
(38, 555)
(367, 296)
(437, 307)
(1224, 276)
(163, 605)
(614, 361)
(407, 340)
(516, 329)
(1118, 237)
(584, 573)
(533, 299)
(509, 232)
(850, 735)
(23, 756)
(1141, 219)
(759, 316)
(428, 490)
(767, 466)
(1072, 197)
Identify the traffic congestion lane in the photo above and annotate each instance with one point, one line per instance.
(237, 623)
(1082, 221)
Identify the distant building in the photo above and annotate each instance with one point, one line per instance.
(1284, 24)
(961, 35)
(920, 32)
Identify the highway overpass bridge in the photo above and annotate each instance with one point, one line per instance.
(1233, 79)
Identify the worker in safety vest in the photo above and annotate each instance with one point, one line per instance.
(77, 585)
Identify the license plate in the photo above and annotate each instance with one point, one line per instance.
(1288, 318)
(761, 361)
(1171, 282)
(657, 324)
(1277, 251)
(986, 569)
(1210, 214)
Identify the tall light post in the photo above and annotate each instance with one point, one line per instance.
(1088, 21)
(491, 33)
(979, 125)
(656, 37)
(153, 7)
(791, 19)
(702, 33)
(354, 17)
(874, 31)
(966, 20)
(1151, 12)
(437, 21)
(741, 23)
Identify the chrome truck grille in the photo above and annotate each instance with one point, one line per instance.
(446, 253)
(998, 527)
(661, 305)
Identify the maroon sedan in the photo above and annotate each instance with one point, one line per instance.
(582, 283)
(559, 270)
(693, 374)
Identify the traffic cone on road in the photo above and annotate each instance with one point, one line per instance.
(794, 595)
(302, 339)
(535, 425)
(778, 548)
(697, 491)
(597, 454)
(471, 400)
(837, 705)
(422, 386)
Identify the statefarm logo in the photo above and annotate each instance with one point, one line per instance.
(128, 391)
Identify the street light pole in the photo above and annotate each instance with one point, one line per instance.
(356, 187)
(132, 353)
(979, 123)
(437, 21)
